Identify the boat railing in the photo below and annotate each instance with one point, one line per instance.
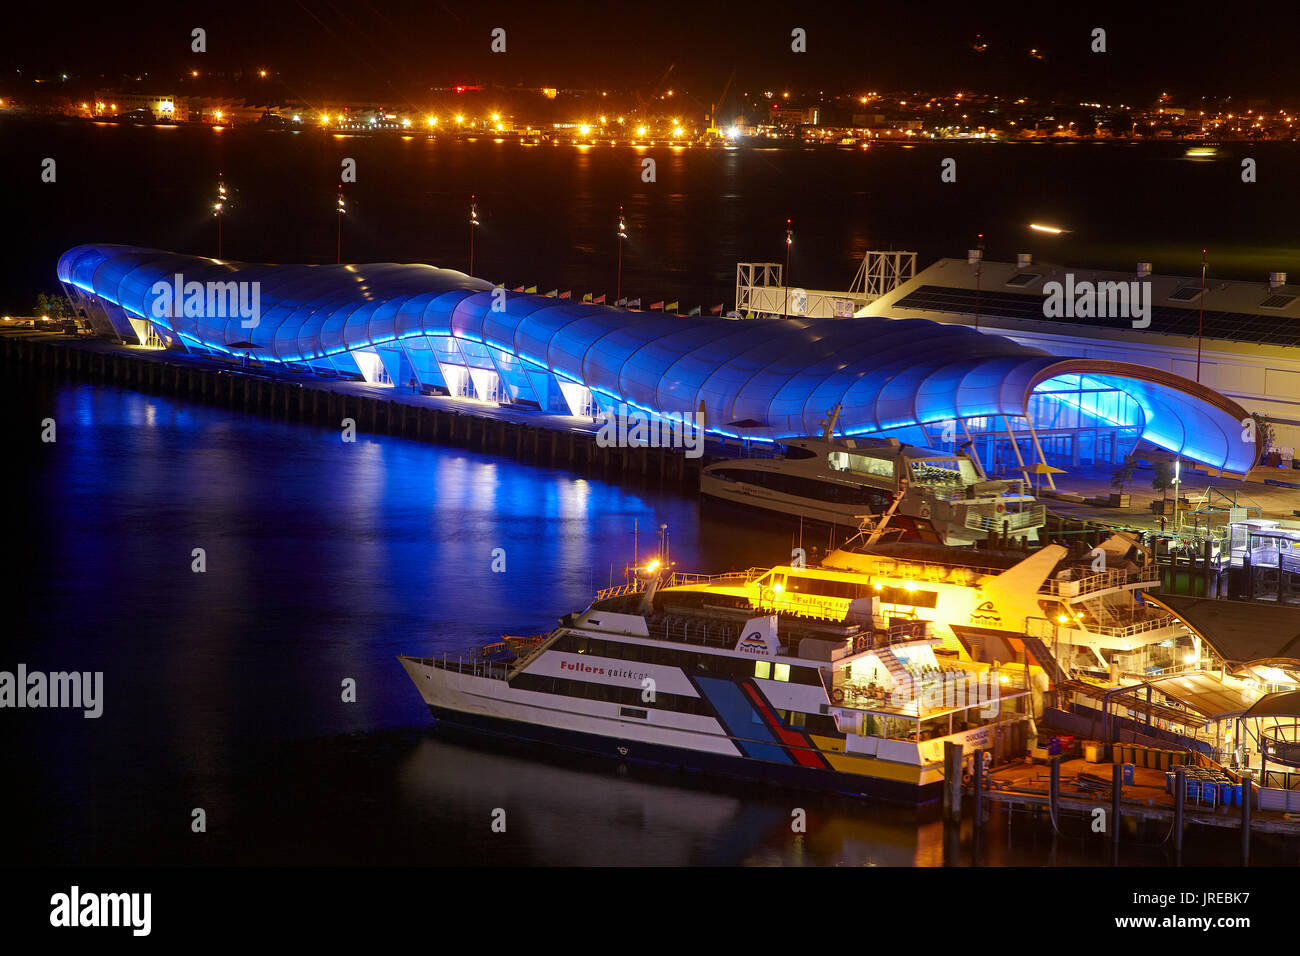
(1137, 627)
(682, 579)
(1097, 581)
(486, 660)
(1034, 517)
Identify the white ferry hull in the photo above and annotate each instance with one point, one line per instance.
(490, 707)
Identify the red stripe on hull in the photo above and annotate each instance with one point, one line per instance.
(799, 746)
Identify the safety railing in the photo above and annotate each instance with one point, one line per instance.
(682, 579)
(486, 660)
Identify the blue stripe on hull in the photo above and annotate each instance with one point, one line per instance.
(791, 775)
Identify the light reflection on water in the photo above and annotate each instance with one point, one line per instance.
(325, 560)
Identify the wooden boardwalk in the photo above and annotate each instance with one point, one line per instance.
(1027, 785)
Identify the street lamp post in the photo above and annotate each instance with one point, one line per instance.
(219, 208)
(622, 235)
(473, 224)
(789, 241)
(1200, 322)
(341, 210)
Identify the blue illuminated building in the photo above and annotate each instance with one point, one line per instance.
(398, 324)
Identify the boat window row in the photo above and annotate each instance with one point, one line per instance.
(800, 487)
(611, 693)
(912, 598)
(821, 724)
(692, 662)
(864, 464)
(824, 587)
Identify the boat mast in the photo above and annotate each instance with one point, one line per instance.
(828, 425)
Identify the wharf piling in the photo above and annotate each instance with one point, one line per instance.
(529, 436)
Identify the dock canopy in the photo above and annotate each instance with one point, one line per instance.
(1206, 694)
(1283, 704)
(391, 322)
(1241, 632)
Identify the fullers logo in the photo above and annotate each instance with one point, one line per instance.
(758, 636)
(986, 611)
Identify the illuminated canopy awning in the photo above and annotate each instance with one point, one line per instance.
(885, 374)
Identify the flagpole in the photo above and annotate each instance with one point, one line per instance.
(1200, 323)
(622, 234)
(789, 239)
(340, 226)
(473, 221)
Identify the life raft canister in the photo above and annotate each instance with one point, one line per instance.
(837, 695)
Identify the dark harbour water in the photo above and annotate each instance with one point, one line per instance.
(324, 561)
(549, 213)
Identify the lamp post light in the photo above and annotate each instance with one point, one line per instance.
(1200, 322)
(342, 208)
(789, 241)
(218, 208)
(473, 224)
(622, 235)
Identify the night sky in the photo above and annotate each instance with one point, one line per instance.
(354, 47)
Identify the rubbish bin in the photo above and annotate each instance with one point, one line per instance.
(1128, 774)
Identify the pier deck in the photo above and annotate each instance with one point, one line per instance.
(527, 434)
(1026, 785)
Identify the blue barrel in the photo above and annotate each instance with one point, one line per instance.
(1169, 781)
(1128, 773)
(1236, 794)
(1193, 789)
(1225, 793)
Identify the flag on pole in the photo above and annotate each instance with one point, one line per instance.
(531, 290)
(657, 305)
(716, 310)
(520, 289)
(672, 307)
(599, 300)
(634, 303)
(694, 311)
(553, 293)
(587, 297)
(566, 294)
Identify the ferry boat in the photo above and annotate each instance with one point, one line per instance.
(850, 676)
(928, 494)
(847, 676)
